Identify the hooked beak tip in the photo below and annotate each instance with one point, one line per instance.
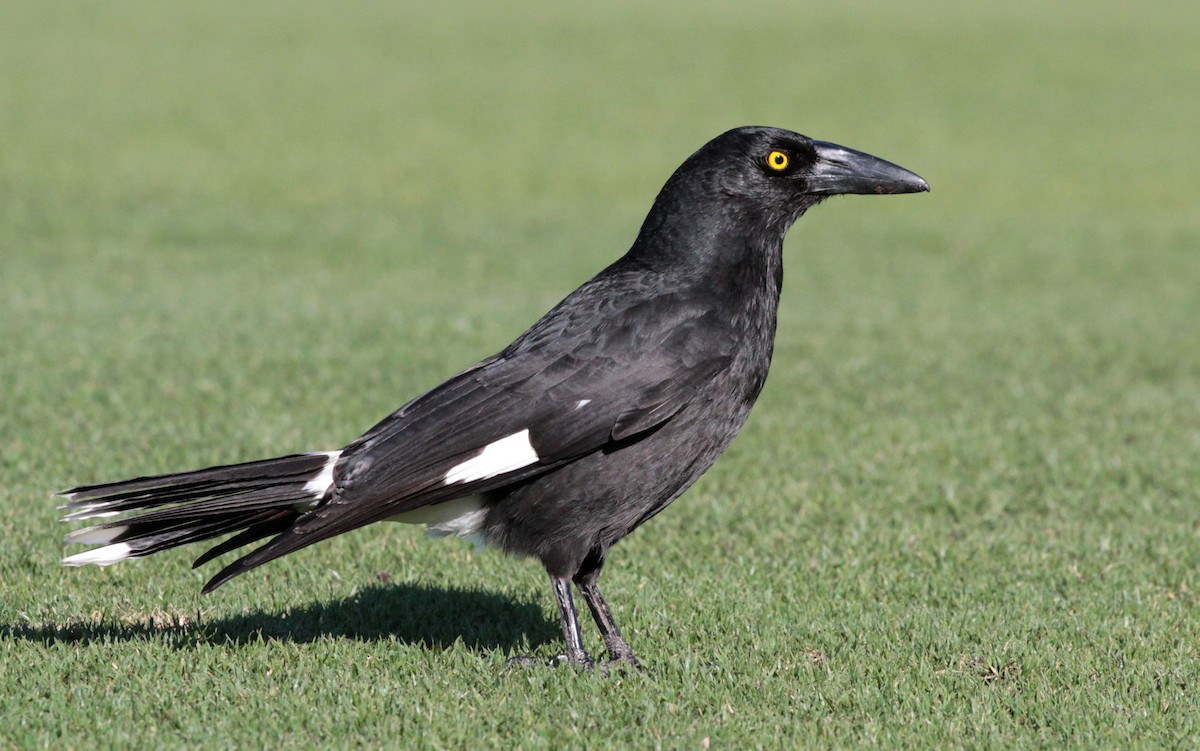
(841, 170)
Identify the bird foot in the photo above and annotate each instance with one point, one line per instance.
(583, 662)
(622, 664)
(620, 655)
(519, 661)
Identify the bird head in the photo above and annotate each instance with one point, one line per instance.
(758, 180)
(775, 166)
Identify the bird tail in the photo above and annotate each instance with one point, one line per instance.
(255, 500)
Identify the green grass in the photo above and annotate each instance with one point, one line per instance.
(966, 512)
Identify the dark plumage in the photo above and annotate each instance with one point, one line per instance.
(587, 425)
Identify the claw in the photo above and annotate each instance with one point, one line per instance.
(520, 661)
(620, 665)
(582, 662)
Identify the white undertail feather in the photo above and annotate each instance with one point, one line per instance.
(497, 458)
(460, 517)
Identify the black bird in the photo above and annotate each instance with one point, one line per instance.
(587, 425)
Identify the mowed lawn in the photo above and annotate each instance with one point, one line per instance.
(966, 512)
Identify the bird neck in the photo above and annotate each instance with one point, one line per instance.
(732, 255)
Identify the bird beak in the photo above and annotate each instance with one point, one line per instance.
(842, 170)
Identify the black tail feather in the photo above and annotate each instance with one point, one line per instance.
(254, 499)
(272, 525)
(256, 471)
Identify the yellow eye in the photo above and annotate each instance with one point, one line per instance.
(777, 160)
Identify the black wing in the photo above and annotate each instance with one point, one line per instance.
(598, 368)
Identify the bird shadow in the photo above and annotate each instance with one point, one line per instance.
(432, 617)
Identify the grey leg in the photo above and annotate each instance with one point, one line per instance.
(576, 654)
(618, 649)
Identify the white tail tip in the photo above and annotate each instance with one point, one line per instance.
(105, 556)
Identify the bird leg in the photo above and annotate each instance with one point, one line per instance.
(576, 655)
(618, 649)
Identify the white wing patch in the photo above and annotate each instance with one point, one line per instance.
(582, 403)
(497, 458)
(105, 556)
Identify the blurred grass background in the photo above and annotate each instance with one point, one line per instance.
(964, 514)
